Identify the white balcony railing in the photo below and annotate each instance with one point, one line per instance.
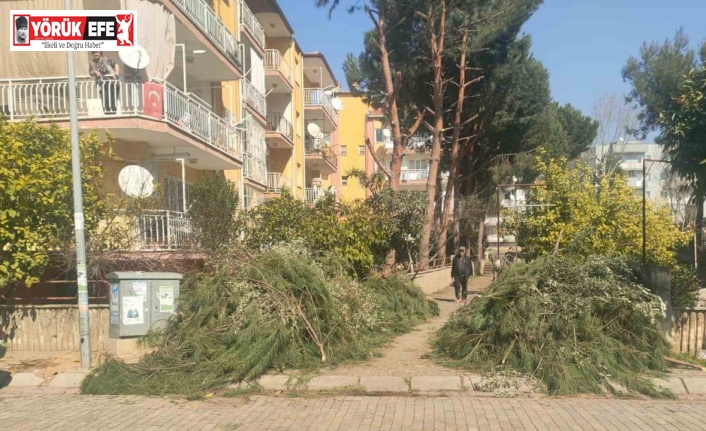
(631, 165)
(253, 97)
(248, 20)
(200, 12)
(321, 146)
(313, 194)
(276, 182)
(254, 169)
(318, 97)
(277, 123)
(275, 61)
(414, 174)
(164, 230)
(635, 182)
(47, 99)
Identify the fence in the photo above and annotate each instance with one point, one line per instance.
(689, 330)
(50, 328)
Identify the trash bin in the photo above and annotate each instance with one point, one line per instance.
(140, 301)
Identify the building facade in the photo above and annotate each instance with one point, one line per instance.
(227, 91)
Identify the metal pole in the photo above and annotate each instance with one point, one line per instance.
(79, 228)
(183, 63)
(644, 215)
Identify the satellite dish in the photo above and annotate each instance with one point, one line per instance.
(137, 58)
(386, 133)
(337, 104)
(313, 129)
(136, 181)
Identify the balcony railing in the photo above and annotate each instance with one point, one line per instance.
(164, 230)
(414, 174)
(317, 97)
(252, 95)
(276, 182)
(254, 169)
(248, 20)
(635, 182)
(200, 12)
(313, 194)
(277, 123)
(48, 99)
(275, 61)
(321, 146)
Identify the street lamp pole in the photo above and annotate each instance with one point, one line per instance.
(79, 225)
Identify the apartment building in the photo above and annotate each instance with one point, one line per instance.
(361, 123)
(226, 90)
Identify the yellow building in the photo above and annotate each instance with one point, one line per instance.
(227, 91)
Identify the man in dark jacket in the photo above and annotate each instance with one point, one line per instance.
(460, 271)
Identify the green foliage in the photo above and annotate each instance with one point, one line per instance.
(36, 195)
(575, 325)
(603, 218)
(399, 218)
(275, 310)
(657, 76)
(685, 286)
(213, 213)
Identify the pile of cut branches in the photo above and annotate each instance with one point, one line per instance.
(275, 310)
(578, 326)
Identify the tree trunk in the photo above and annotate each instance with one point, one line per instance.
(699, 223)
(457, 221)
(481, 232)
(437, 50)
(453, 171)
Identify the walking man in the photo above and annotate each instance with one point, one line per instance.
(460, 271)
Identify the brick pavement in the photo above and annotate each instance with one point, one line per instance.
(104, 413)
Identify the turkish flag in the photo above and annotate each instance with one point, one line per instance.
(153, 103)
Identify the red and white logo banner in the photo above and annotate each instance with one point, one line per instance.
(72, 30)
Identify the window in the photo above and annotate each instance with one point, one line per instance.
(420, 165)
(361, 150)
(344, 150)
(173, 195)
(344, 181)
(379, 136)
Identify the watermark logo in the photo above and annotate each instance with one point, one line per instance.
(72, 30)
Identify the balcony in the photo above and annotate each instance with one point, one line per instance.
(251, 24)
(253, 97)
(414, 175)
(279, 132)
(276, 182)
(133, 111)
(320, 156)
(203, 16)
(635, 182)
(316, 98)
(162, 230)
(278, 73)
(631, 165)
(254, 169)
(311, 195)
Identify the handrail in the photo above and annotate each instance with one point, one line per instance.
(277, 123)
(275, 61)
(318, 97)
(252, 95)
(247, 18)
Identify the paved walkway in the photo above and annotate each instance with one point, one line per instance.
(76, 413)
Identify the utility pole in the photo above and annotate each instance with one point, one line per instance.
(644, 213)
(79, 228)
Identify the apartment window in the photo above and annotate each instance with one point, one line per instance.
(344, 150)
(173, 195)
(361, 150)
(421, 165)
(344, 181)
(379, 137)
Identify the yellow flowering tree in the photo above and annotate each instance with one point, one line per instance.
(595, 217)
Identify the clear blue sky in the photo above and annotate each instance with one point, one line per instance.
(583, 43)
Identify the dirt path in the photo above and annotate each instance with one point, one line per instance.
(406, 355)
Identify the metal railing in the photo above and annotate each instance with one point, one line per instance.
(275, 61)
(313, 194)
(48, 99)
(317, 97)
(635, 182)
(252, 95)
(414, 174)
(276, 182)
(321, 146)
(200, 12)
(277, 123)
(164, 230)
(254, 168)
(248, 20)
